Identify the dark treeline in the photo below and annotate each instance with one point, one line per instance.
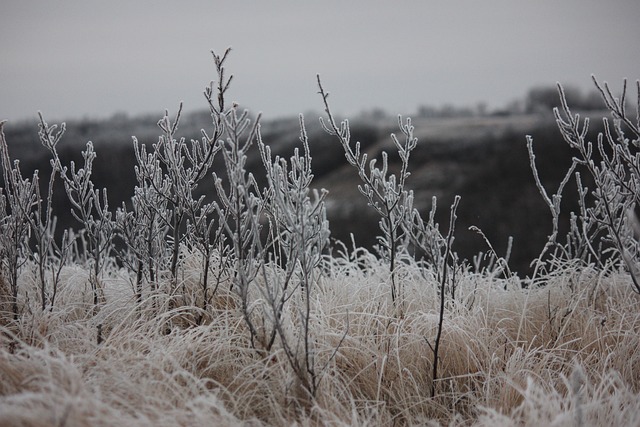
(483, 158)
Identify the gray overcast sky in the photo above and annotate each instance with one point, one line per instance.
(79, 58)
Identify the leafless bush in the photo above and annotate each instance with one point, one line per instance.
(606, 226)
(401, 224)
(384, 191)
(16, 204)
(299, 234)
(90, 206)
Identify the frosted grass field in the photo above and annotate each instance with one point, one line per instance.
(181, 310)
(544, 356)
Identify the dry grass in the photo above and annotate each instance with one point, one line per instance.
(563, 353)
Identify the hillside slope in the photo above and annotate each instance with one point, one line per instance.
(482, 159)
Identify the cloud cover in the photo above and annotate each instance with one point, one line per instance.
(75, 58)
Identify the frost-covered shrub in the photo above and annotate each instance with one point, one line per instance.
(606, 229)
(16, 201)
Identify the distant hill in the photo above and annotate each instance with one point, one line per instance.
(483, 159)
